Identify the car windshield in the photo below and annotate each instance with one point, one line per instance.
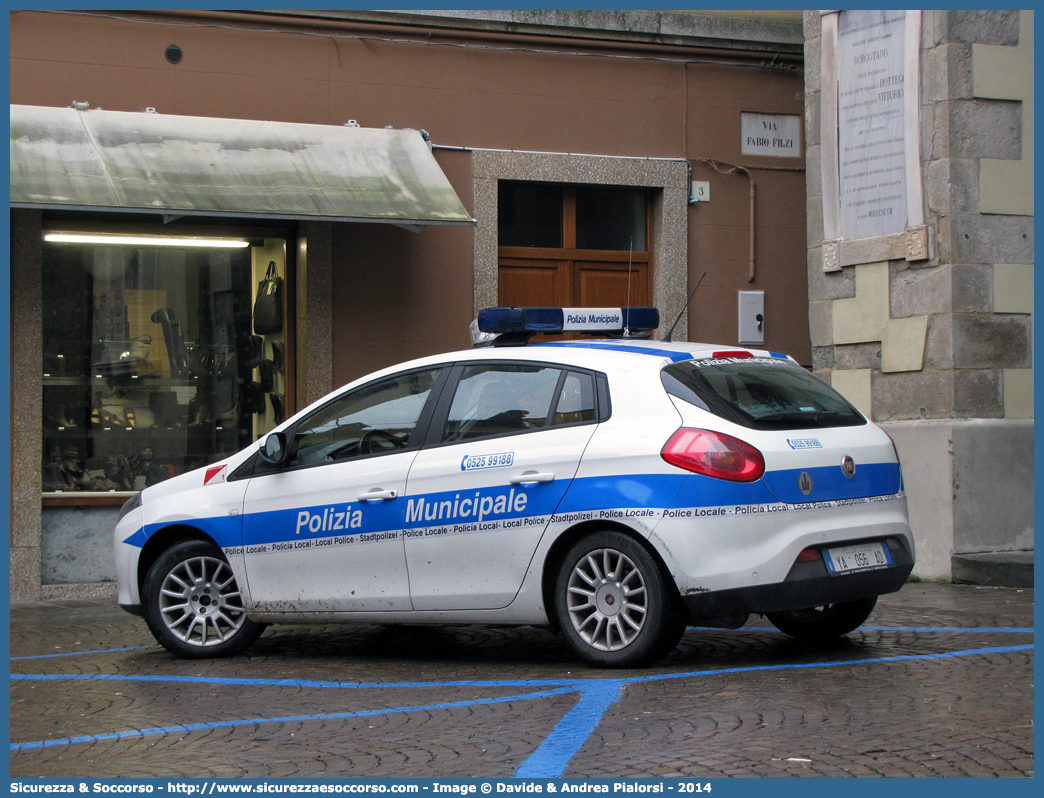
(763, 393)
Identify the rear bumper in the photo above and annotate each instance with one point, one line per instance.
(807, 585)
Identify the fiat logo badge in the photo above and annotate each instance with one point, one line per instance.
(848, 466)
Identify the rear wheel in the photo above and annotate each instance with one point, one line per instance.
(614, 603)
(192, 604)
(825, 622)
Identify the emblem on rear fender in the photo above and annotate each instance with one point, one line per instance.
(805, 483)
(848, 466)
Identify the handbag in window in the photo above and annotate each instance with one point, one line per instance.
(268, 307)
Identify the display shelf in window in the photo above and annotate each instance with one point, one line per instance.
(151, 364)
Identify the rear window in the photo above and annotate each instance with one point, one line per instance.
(763, 393)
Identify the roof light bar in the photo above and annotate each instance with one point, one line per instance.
(555, 320)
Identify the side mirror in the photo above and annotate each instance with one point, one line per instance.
(273, 450)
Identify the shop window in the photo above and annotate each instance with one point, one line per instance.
(151, 362)
(575, 246)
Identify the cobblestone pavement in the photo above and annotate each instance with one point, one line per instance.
(938, 683)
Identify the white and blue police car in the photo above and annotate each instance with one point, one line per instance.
(616, 489)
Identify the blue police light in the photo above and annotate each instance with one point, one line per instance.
(516, 325)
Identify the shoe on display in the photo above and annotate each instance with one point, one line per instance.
(278, 407)
(279, 356)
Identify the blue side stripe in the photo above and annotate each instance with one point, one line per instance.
(633, 491)
(583, 494)
(670, 354)
(829, 483)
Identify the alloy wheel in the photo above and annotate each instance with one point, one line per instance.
(200, 602)
(607, 599)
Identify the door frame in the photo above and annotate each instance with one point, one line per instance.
(667, 178)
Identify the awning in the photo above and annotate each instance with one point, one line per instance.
(182, 165)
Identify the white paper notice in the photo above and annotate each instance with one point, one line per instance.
(872, 153)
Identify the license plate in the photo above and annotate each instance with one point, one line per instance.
(860, 557)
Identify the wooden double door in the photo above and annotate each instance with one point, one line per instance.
(572, 275)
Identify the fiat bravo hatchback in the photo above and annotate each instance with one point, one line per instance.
(616, 490)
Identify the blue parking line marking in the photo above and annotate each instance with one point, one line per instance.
(551, 757)
(1023, 630)
(90, 738)
(962, 629)
(223, 680)
(572, 731)
(83, 653)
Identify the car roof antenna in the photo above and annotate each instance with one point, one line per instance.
(670, 332)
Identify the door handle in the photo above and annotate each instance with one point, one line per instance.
(529, 477)
(377, 494)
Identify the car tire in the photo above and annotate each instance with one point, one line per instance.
(192, 604)
(824, 622)
(615, 604)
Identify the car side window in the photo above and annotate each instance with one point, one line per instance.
(499, 399)
(576, 400)
(374, 419)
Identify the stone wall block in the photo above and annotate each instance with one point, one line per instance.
(857, 356)
(1018, 393)
(985, 27)
(935, 131)
(992, 341)
(1012, 287)
(935, 28)
(964, 185)
(912, 395)
(978, 394)
(812, 25)
(26, 451)
(25, 572)
(942, 230)
(920, 292)
(820, 322)
(812, 132)
(814, 58)
(835, 285)
(813, 174)
(938, 186)
(993, 501)
(935, 75)
(938, 348)
(992, 238)
(823, 361)
(986, 129)
(814, 221)
(972, 289)
(959, 60)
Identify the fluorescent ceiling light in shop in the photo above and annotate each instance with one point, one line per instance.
(145, 241)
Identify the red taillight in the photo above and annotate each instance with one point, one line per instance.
(736, 353)
(714, 455)
(809, 555)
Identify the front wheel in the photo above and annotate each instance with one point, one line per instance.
(192, 604)
(825, 622)
(614, 603)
